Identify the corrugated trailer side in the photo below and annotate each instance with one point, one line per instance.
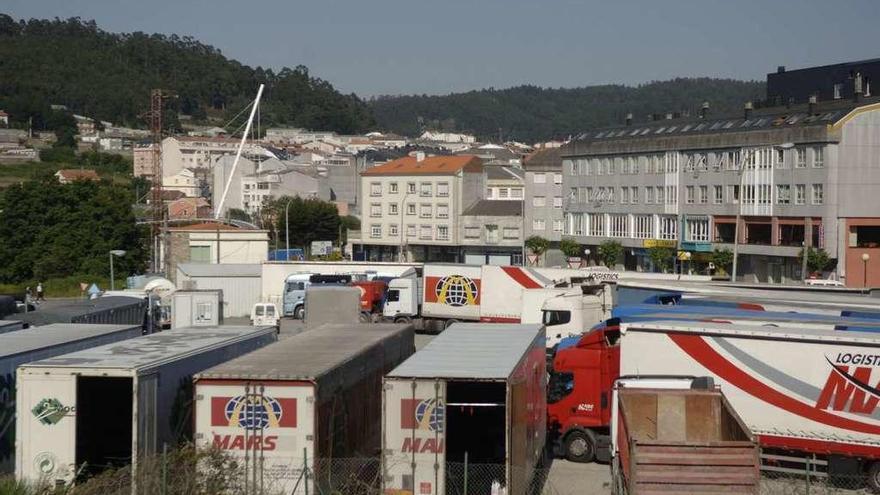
(527, 416)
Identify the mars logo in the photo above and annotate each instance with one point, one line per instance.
(456, 290)
(849, 389)
(427, 415)
(252, 412)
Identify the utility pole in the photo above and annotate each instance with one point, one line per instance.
(154, 117)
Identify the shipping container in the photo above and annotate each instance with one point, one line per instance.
(313, 396)
(108, 405)
(196, 308)
(37, 343)
(476, 394)
(241, 283)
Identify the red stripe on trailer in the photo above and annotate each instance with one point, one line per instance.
(498, 319)
(818, 446)
(521, 277)
(697, 348)
(750, 306)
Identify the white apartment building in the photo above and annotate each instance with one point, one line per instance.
(200, 152)
(184, 181)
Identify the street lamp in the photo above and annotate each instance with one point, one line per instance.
(865, 258)
(685, 256)
(587, 256)
(115, 252)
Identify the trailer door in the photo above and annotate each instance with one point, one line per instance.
(46, 427)
(414, 437)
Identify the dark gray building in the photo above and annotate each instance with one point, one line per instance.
(544, 200)
(827, 82)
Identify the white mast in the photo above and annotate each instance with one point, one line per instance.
(219, 207)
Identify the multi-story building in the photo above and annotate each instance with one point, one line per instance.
(142, 158)
(491, 233)
(798, 175)
(200, 152)
(827, 82)
(411, 206)
(543, 201)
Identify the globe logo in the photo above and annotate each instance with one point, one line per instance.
(456, 290)
(430, 414)
(253, 412)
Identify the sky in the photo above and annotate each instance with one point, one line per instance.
(373, 47)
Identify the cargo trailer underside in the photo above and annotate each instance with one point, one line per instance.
(475, 428)
(103, 423)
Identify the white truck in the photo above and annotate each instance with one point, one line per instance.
(447, 294)
(474, 396)
(802, 392)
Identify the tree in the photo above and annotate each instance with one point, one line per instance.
(722, 259)
(818, 260)
(348, 222)
(570, 248)
(307, 220)
(661, 257)
(610, 252)
(537, 245)
(238, 214)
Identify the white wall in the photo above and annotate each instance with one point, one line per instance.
(275, 272)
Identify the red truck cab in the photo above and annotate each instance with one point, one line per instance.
(372, 295)
(579, 394)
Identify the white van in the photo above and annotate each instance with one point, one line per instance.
(265, 314)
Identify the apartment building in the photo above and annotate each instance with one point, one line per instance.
(181, 152)
(491, 232)
(798, 175)
(410, 206)
(544, 200)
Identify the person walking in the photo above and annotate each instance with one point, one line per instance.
(40, 295)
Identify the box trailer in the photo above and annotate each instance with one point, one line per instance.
(801, 392)
(315, 396)
(10, 325)
(35, 343)
(332, 305)
(475, 394)
(111, 404)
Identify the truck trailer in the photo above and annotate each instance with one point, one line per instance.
(314, 396)
(35, 343)
(475, 394)
(110, 405)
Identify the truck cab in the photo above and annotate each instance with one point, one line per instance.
(402, 300)
(574, 311)
(265, 315)
(579, 393)
(294, 294)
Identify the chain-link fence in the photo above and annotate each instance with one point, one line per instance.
(821, 484)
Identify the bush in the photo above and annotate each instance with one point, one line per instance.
(722, 259)
(661, 257)
(570, 248)
(610, 252)
(818, 260)
(537, 245)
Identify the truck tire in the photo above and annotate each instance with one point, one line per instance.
(403, 319)
(874, 477)
(580, 446)
(299, 312)
(365, 317)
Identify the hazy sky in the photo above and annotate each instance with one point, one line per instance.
(414, 46)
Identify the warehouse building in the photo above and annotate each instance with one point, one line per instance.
(240, 282)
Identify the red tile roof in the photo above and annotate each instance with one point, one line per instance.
(77, 174)
(206, 226)
(432, 165)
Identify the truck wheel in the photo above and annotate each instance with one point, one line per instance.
(365, 318)
(580, 447)
(874, 477)
(403, 319)
(299, 313)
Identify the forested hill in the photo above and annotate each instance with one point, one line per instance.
(530, 113)
(109, 76)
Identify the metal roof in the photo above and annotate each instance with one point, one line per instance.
(152, 350)
(65, 310)
(782, 332)
(307, 355)
(472, 351)
(221, 270)
(34, 338)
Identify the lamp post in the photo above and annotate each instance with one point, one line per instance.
(865, 258)
(587, 255)
(115, 252)
(287, 231)
(805, 255)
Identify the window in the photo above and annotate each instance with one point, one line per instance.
(644, 226)
(516, 193)
(668, 228)
(411, 209)
(718, 196)
(573, 194)
(783, 194)
(780, 158)
(818, 157)
(472, 232)
(689, 195)
(442, 211)
(392, 209)
(704, 194)
(442, 232)
(624, 194)
(671, 195)
(818, 194)
(558, 225)
(649, 195)
(539, 178)
(538, 224)
(660, 190)
(411, 187)
(539, 201)
(838, 91)
(375, 231)
(511, 232)
(801, 158)
(375, 188)
(425, 211)
(800, 194)
(375, 210)
(443, 189)
(492, 234)
(392, 230)
(634, 198)
(619, 226)
(410, 230)
(733, 194)
(200, 254)
(557, 202)
(596, 224)
(557, 178)
(503, 193)
(205, 311)
(425, 189)
(425, 232)
(392, 188)
(697, 229)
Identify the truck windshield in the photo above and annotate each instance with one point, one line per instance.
(561, 384)
(393, 295)
(552, 317)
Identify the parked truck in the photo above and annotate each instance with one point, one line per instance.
(296, 285)
(475, 394)
(801, 391)
(314, 396)
(43, 342)
(679, 435)
(109, 405)
(497, 294)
